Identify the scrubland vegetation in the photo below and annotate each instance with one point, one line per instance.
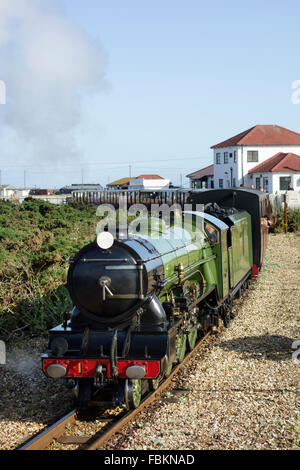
(36, 238)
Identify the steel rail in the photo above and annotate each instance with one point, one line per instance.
(43, 439)
(102, 437)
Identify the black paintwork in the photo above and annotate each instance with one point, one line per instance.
(250, 200)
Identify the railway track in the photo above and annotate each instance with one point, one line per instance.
(58, 432)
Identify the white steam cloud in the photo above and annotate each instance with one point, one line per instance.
(48, 64)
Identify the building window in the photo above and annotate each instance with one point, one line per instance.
(225, 157)
(235, 157)
(218, 158)
(257, 183)
(266, 184)
(234, 183)
(252, 156)
(284, 182)
(221, 184)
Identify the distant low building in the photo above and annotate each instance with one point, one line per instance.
(203, 178)
(41, 192)
(53, 199)
(7, 191)
(149, 182)
(79, 187)
(122, 183)
(22, 192)
(11, 192)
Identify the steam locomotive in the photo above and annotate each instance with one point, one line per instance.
(142, 301)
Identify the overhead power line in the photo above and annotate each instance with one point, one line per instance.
(101, 163)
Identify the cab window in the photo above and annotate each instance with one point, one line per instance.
(211, 233)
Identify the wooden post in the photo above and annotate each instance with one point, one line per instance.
(285, 213)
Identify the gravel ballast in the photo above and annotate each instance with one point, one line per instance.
(240, 391)
(242, 388)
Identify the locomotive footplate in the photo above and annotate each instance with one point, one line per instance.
(117, 354)
(91, 343)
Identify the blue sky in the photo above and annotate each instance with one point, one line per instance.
(181, 76)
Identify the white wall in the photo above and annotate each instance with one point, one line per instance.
(220, 170)
(148, 184)
(7, 192)
(294, 179)
(274, 180)
(22, 192)
(251, 179)
(56, 199)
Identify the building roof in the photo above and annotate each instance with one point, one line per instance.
(279, 162)
(207, 171)
(262, 135)
(7, 186)
(121, 182)
(149, 177)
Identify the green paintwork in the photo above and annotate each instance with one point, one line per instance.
(220, 265)
(203, 259)
(136, 392)
(181, 347)
(192, 338)
(225, 264)
(178, 246)
(241, 257)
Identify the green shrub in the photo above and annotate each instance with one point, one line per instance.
(36, 238)
(293, 222)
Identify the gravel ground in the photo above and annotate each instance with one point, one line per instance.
(240, 389)
(28, 400)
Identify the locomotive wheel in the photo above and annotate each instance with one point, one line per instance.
(239, 293)
(169, 370)
(133, 393)
(192, 338)
(154, 384)
(180, 347)
(227, 320)
(227, 314)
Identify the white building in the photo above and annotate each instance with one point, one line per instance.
(279, 173)
(234, 158)
(149, 182)
(23, 192)
(10, 192)
(7, 191)
(203, 178)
